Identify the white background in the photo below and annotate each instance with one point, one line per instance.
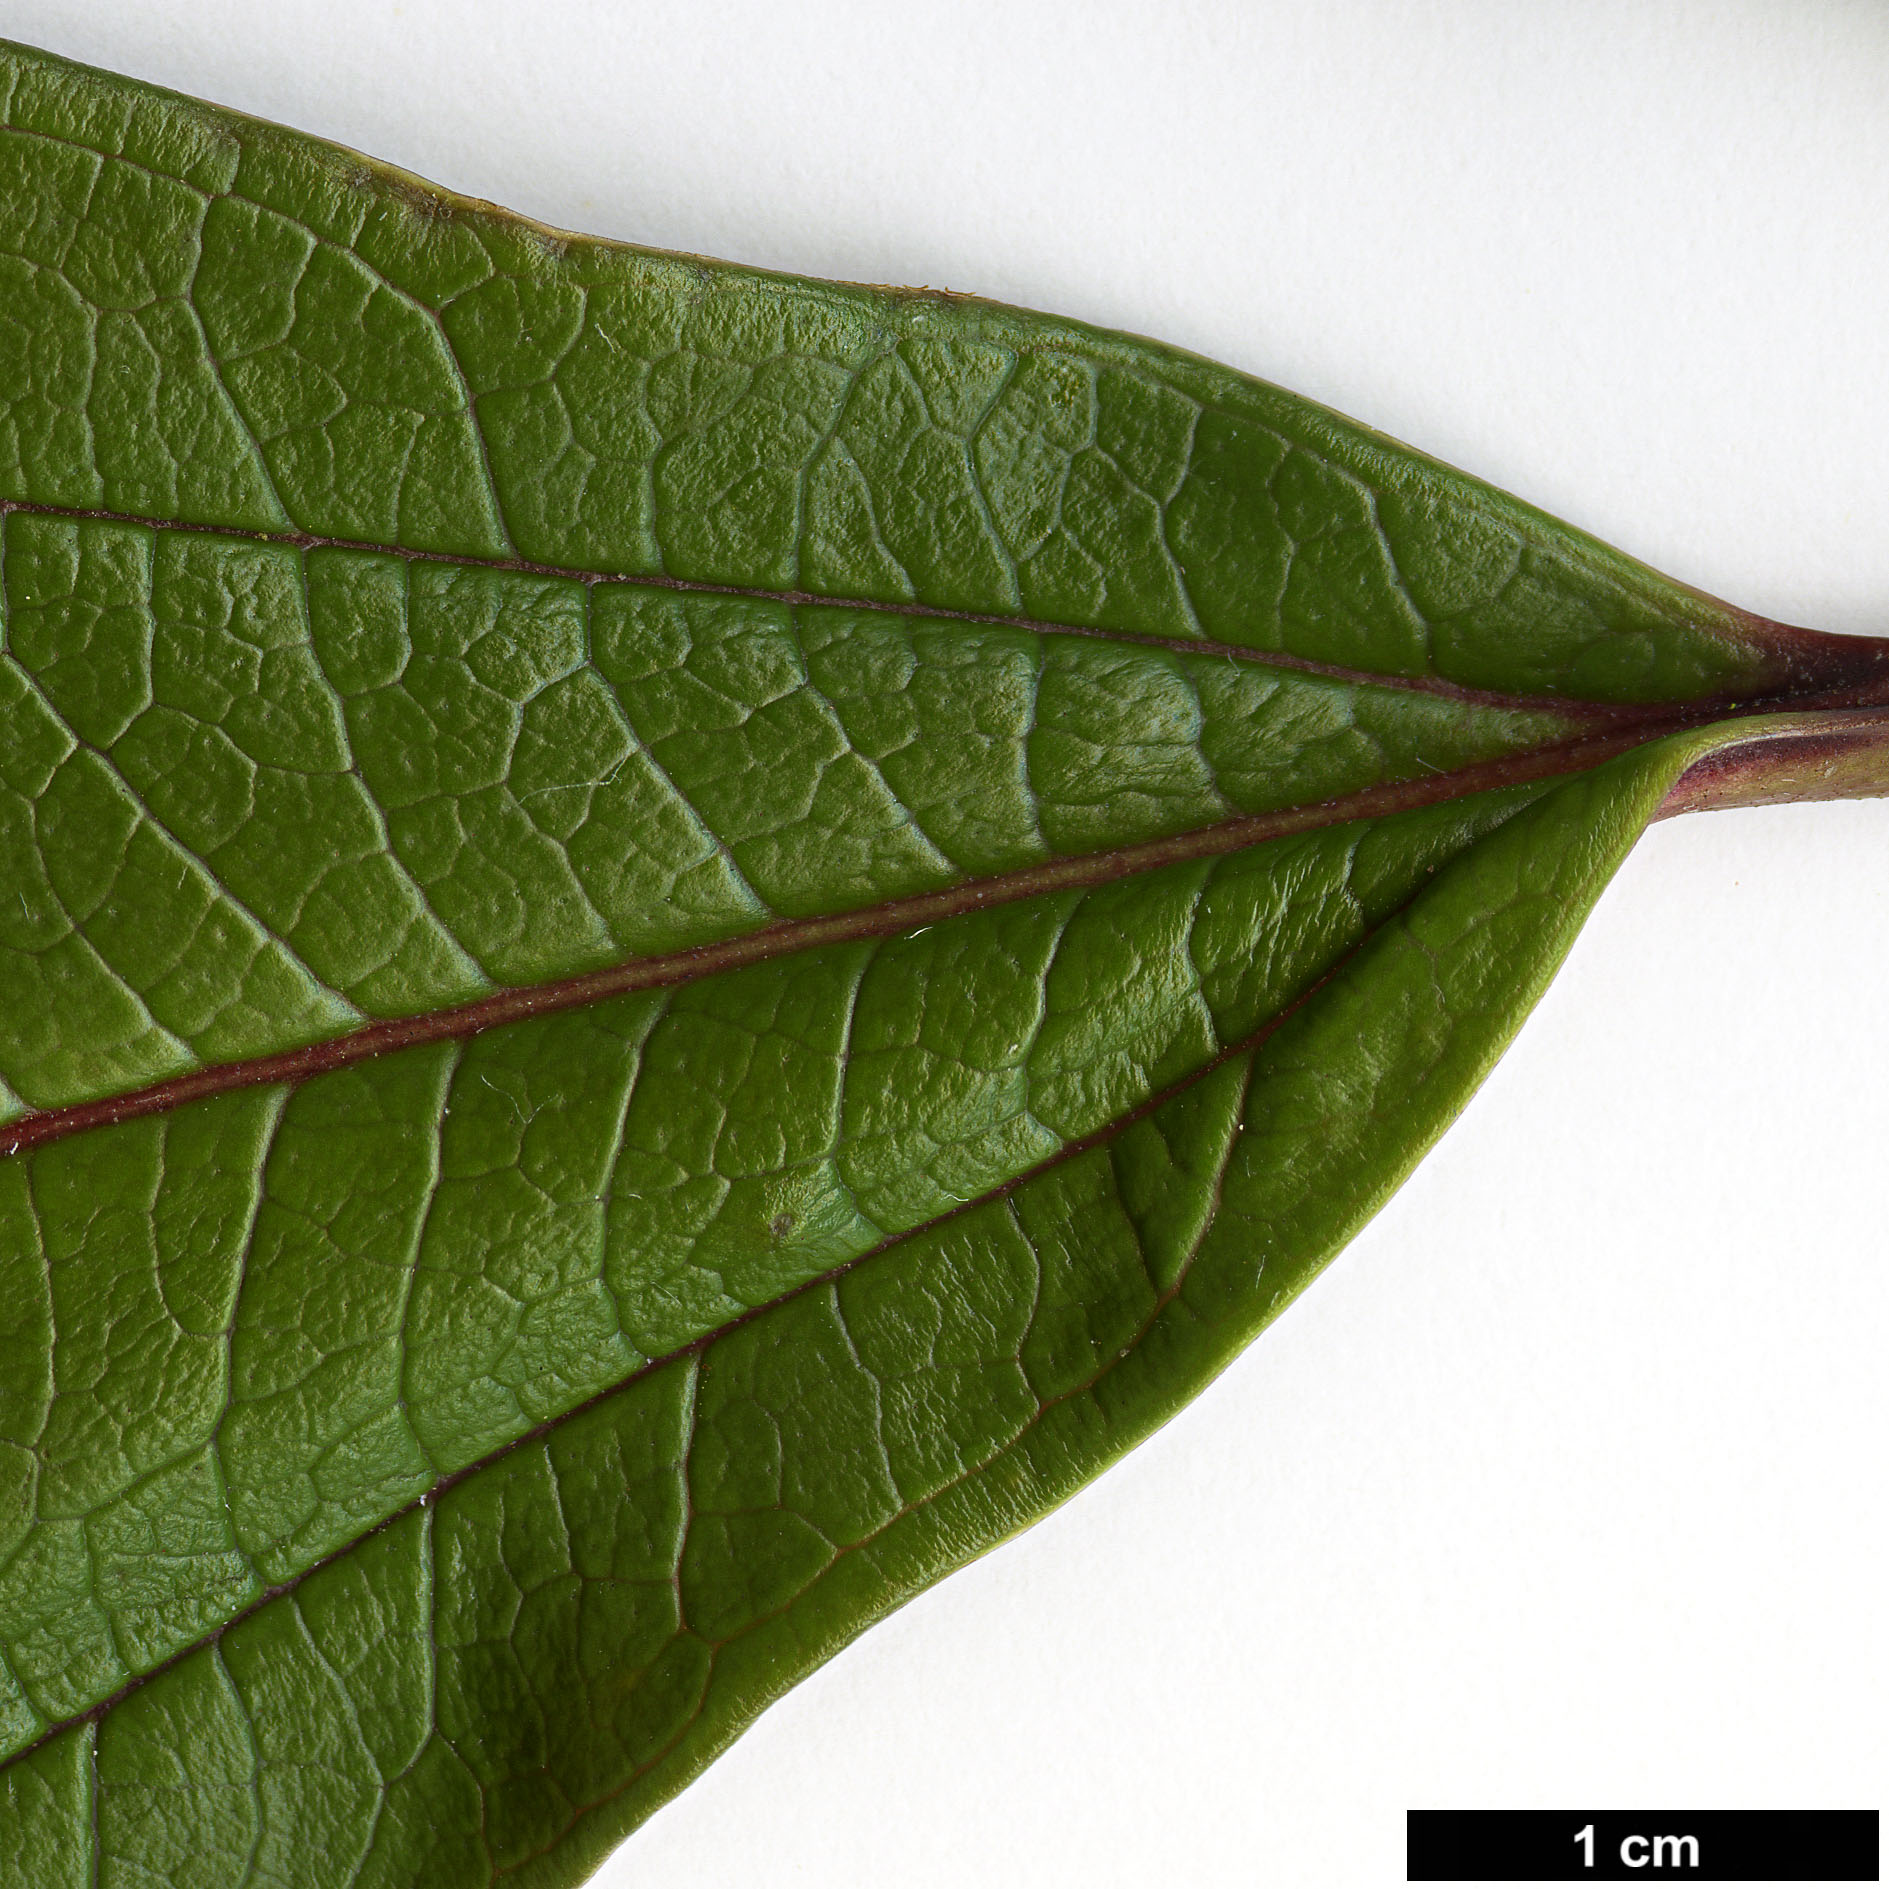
(1564, 1486)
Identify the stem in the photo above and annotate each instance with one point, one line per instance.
(1832, 755)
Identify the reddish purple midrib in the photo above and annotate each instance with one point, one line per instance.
(1812, 671)
(1800, 660)
(888, 919)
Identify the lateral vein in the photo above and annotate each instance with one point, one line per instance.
(699, 1346)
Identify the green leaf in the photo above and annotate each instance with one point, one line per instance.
(674, 946)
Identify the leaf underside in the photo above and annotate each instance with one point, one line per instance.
(674, 945)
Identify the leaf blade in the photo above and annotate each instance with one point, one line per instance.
(1150, 542)
(1085, 1397)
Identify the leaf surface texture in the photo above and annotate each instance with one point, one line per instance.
(675, 944)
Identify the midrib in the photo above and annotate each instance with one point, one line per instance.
(1066, 873)
(1569, 708)
(1834, 676)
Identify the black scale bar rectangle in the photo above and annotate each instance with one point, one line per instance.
(1782, 1846)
